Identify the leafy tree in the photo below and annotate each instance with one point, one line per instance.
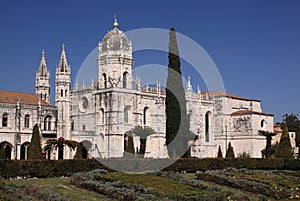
(35, 149)
(229, 151)
(177, 122)
(292, 122)
(59, 144)
(284, 148)
(268, 136)
(143, 133)
(220, 155)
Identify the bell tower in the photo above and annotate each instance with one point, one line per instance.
(42, 82)
(115, 60)
(62, 96)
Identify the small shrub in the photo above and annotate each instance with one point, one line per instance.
(243, 155)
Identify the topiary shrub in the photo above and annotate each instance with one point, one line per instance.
(220, 155)
(35, 149)
(229, 151)
(284, 148)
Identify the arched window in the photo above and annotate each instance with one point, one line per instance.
(207, 125)
(47, 123)
(101, 116)
(105, 80)
(125, 142)
(26, 122)
(262, 123)
(61, 93)
(5, 120)
(66, 93)
(125, 76)
(145, 116)
(126, 111)
(72, 124)
(24, 150)
(6, 149)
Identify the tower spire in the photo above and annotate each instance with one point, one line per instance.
(63, 63)
(42, 84)
(43, 67)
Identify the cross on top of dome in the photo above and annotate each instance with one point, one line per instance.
(116, 22)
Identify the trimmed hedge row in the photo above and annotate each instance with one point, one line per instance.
(57, 168)
(45, 168)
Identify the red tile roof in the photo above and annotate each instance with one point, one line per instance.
(224, 94)
(23, 98)
(247, 112)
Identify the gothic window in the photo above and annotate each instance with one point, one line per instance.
(24, 150)
(7, 149)
(125, 75)
(145, 115)
(26, 123)
(61, 93)
(66, 93)
(47, 123)
(101, 116)
(262, 123)
(125, 142)
(45, 97)
(72, 124)
(105, 80)
(207, 125)
(5, 120)
(126, 111)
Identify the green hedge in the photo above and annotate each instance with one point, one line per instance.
(45, 168)
(57, 168)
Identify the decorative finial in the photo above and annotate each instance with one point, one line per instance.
(116, 21)
(63, 47)
(43, 53)
(189, 81)
(189, 86)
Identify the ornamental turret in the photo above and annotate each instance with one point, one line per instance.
(42, 82)
(115, 60)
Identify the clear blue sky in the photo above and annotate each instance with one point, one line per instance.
(255, 44)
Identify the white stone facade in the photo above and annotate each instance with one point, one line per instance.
(100, 115)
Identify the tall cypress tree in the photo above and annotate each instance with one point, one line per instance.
(177, 122)
(35, 149)
(284, 149)
(220, 155)
(229, 151)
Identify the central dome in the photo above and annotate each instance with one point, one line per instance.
(115, 40)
